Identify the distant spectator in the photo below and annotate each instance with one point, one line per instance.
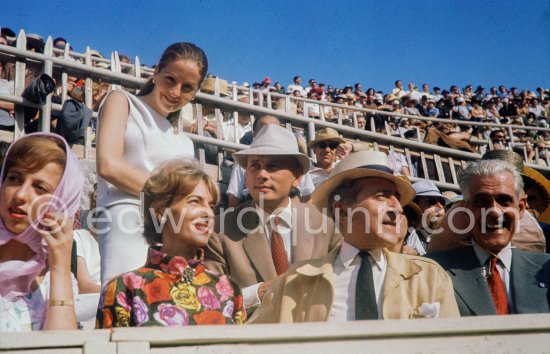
(537, 110)
(398, 91)
(296, 85)
(461, 112)
(432, 111)
(324, 146)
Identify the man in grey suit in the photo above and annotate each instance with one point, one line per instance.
(257, 241)
(489, 276)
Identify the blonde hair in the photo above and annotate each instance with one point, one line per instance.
(168, 184)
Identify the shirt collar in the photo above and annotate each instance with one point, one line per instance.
(505, 254)
(348, 254)
(285, 215)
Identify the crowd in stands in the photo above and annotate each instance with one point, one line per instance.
(342, 236)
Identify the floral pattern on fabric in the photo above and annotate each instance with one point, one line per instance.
(156, 295)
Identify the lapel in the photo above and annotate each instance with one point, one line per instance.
(255, 243)
(302, 240)
(469, 283)
(399, 269)
(528, 292)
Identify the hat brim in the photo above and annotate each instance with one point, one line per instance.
(312, 143)
(242, 156)
(541, 181)
(320, 196)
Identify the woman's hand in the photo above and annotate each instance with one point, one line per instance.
(57, 230)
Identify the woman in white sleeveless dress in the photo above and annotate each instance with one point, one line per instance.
(135, 135)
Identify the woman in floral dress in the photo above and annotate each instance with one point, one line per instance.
(173, 288)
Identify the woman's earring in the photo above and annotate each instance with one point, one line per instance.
(153, 81)
(162, 220)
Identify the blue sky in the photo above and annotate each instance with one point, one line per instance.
(374, 43)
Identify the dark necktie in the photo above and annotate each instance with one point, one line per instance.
(278, 252)
(365, 296)
(497, 288)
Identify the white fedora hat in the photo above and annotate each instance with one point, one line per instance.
(274, 140)
(360, 165)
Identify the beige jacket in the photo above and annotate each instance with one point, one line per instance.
(239, 246)
(305, 293)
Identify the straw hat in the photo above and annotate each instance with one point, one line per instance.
(511, 157)
(534, 176)
(209, 84)
(360, 165)
(273, 140)
(529, 175)
(326, 134)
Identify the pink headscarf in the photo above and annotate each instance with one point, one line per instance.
(16, 277)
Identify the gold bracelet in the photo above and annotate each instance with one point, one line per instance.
(61, 302)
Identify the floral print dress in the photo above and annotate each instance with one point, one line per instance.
(166, 292)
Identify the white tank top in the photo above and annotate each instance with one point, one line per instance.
(149, 140)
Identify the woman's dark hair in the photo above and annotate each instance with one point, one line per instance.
(179, 51)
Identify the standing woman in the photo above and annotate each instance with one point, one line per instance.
(135, 134)
(40, 186)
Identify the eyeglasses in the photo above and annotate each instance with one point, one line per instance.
(331, 144)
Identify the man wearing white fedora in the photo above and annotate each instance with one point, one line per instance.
(361, 279)
(257, 241)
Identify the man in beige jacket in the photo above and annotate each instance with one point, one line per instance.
(361, 279)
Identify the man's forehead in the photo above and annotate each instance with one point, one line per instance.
(502, 183)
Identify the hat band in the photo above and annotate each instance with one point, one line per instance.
(381, 168)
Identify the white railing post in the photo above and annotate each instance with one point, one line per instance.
(20, 68)
(88, 89)
(47, 68)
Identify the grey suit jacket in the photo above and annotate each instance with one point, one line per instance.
(529, 281)
(239, 246)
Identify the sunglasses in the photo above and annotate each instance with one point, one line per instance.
(434, 200)
(331, 144)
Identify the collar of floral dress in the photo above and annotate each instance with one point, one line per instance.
(170, 264)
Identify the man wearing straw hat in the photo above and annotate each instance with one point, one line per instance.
(257, 241)
(489, 276)
(361, 279)
(324, 146)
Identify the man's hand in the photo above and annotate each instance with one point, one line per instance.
(264, 287)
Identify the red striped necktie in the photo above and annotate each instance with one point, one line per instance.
(497, 288)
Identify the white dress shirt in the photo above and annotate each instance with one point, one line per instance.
(503, 266)
(250, 293)
(345, 268)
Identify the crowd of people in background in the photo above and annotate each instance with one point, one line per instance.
(341, 236)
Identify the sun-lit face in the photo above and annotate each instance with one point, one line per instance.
(375, 220)
(24, 194)
(496, 208)
(325, 153)
(189, 222)
(175, 86)
(270, 179)
(433, 209)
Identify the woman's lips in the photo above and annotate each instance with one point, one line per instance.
(17, 213)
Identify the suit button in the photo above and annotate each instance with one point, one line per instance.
(542, 285)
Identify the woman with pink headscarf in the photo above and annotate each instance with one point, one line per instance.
(40, 186)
